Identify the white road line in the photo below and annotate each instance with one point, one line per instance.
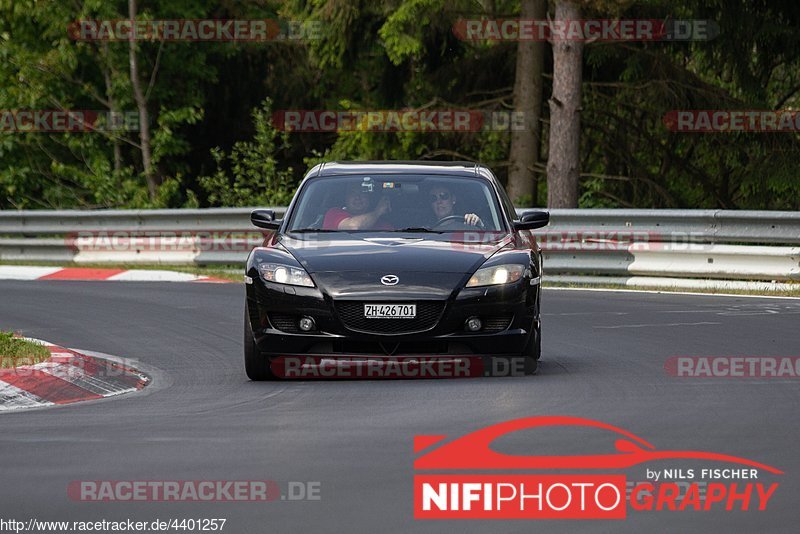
(586, 313)
(655, 325)
(735, 312)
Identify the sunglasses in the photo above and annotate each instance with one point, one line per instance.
(435, 197)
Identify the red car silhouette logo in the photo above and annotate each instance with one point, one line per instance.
(473, 450)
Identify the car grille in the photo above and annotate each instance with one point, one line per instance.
(351, 314)
(348, 346)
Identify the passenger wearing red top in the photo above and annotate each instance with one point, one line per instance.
(357, 215)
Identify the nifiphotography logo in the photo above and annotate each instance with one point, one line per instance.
(453, 486)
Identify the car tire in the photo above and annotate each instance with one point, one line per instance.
(533, 350)
(256, 365)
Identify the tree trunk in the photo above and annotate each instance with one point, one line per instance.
(141, 104)
(524, 152)
(112, 106)
(565, 120)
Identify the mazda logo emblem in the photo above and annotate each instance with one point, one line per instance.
(389, 280)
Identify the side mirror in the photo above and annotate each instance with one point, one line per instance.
(265, 219)
(532, 219)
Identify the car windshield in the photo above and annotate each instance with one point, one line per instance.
(392, 203)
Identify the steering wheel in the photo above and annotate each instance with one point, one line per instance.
(450, 218)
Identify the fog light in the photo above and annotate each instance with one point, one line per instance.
(306, 324)
(474, 324)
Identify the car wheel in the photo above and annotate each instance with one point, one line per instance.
(533, 350)
(256, 365)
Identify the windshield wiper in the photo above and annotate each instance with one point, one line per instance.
(312, 230)
(419, 229)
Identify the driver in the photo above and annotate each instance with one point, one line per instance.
(358, 213)
(443, 203)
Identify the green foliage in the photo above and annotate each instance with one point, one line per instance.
(250, 174)
(398, 54)
(165, 141)
(15, 351)
(41, 68)
(401, 33)
(633, 160)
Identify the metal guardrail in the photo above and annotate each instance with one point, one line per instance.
(718, 244)
(727, 262)
(706, 226)
(713, 226)
(39, 222)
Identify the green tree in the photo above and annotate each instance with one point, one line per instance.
(250, 175)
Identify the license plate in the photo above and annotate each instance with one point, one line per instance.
(390, 311)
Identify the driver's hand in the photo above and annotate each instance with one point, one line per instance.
(472, 219)
(383, 207)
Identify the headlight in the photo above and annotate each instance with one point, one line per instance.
(499, 274)
(285, 274)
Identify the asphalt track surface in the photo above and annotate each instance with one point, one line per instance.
(604, 355)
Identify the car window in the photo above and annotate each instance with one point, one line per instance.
(385, 202)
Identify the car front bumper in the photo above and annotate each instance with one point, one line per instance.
(517, 302)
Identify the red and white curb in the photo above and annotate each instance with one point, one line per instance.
(15, 272)
(67, 376)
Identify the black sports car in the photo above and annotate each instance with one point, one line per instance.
(395, 258)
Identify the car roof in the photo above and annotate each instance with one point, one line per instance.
(450, 168)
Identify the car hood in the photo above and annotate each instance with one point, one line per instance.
(426, 267)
